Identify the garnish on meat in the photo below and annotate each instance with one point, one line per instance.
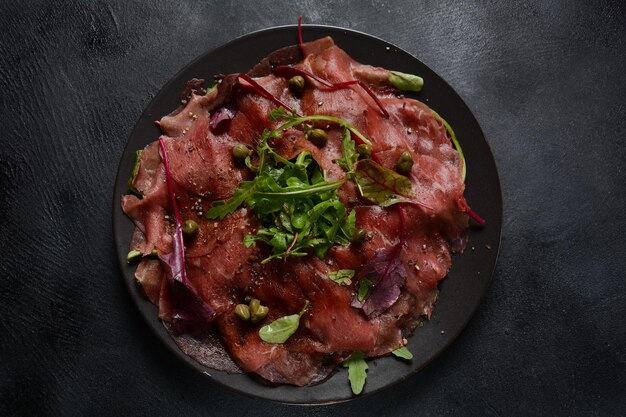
(311, 183)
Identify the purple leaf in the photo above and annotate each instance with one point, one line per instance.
(387, 275)
(222, 114)
(190, 313)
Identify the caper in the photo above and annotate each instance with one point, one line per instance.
(359, 236)
(254, 305)
(296, 84)
(260, 314)
(154, 254)
(364, 150)
(318, 137)
(240, 151)
(405, 163)
(190, 228)
(242, 311)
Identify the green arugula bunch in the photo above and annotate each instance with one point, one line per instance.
(298, 208)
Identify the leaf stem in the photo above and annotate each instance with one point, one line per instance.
(293, 242)
(300, 193)
(301, 119)
(465, 207)
(455, 142)
(346, 84)
(285, 69)
(289, 70)
(402, 224)
(177, 238)
(263, 92)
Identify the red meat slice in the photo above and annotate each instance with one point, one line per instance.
(225, 273)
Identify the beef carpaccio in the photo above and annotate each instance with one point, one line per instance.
(408, 242)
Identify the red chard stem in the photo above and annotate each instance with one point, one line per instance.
(346, 84)
(475, 216)
(466, 208)
(402, 224)
(290, 71)
(263, 92)
(295, 238)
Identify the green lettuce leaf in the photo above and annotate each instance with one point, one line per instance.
(406, 82)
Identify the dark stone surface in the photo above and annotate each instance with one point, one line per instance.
(545, 80)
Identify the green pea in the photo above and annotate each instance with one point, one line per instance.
(240, 151)
(318, 137)
(190, 228)
(242, 311)
(296, 84)
(364, 150)
(260, 314)
(405, 163)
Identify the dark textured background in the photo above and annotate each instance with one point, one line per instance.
(545, 80)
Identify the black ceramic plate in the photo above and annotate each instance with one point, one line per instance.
(463, 289)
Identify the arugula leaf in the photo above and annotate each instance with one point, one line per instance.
(348, 152)
(364, 288)
(403, 353)
(381, 185)
(298, 191)
(357, 371)
(281, 329)
(249, 240)
(301, 210)
(212, 88)
(348, 228)
(342, 276)
(222, 208)
(406, 82)
(133, 175)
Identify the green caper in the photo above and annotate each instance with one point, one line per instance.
(318, 137)
(242, 311)
(296, 84)
(364, 150)
(254, 305)
(240, 151)
(359, 236)
(190, 228)
(154, 254)
(405, 163)
(260, 314)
